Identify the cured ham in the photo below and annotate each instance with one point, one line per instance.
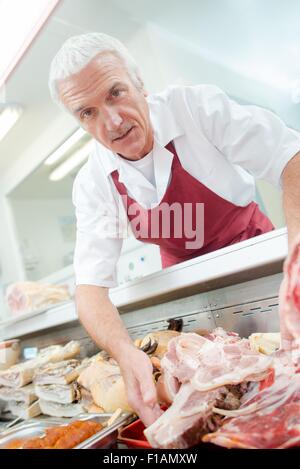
(57, 373)
(61, 393)
(25, 297)
(21, 374)
(26, 394)
(209, 372)
(56, 409)
(22, 410)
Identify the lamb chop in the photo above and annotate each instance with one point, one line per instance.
(270, 419)
(204, 373)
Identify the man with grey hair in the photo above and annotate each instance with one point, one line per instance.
(188, 147)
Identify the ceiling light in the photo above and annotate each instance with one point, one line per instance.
(9, 114)
(20, 22)
(65, 147)
(71, 163)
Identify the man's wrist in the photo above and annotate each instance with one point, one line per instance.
(124, 349)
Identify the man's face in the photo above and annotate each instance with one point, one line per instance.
(109, 106)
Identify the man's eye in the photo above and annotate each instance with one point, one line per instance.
(86, 114)
(116, 93)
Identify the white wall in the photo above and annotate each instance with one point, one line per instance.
(40, 236)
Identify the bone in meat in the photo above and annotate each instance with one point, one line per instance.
(271, 419)
(204, 368)
(24, 297)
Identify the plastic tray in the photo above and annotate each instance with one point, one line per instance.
(133, 435)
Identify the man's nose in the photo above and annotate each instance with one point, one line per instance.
(112, 119)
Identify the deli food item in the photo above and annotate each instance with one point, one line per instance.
(106, 385)
(266, 343)
(22, 410)
(62, 393)
(269, 419)
(21, 374)
(289, 298)
(208, 364)
(26, 394)
(24, 297)
(161, 338)
(9, 353)
(56, 409)
(205, 373)
(62, 437)
(57, 373)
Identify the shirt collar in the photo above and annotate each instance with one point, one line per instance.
(165, 129)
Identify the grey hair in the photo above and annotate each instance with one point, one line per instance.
(78, 51)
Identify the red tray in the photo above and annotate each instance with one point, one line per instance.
(133, 435)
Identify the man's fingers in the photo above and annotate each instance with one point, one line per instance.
(148, 391)
(149, 415)
(137, 371)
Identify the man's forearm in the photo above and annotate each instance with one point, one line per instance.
(291, 197)
(101, 320)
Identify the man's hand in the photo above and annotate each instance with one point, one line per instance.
(102, 321)
(136, 369)
(289, 299)
(285, 335)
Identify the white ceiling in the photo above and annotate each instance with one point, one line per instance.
(255, 35)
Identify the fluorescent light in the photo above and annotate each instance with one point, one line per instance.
(20, 22)
(9, 114)
(71, 163)
(65, 147)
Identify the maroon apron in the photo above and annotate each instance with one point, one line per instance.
(224, 223)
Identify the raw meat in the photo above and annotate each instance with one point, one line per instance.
(24, 297)
(209, 364)
(289, 299)
(270, 419)
(210, 372)
(183, 424)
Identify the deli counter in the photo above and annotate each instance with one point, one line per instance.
(235, 288)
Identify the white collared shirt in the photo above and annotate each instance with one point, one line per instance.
(224, 145)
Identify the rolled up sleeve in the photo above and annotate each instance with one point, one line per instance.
(98, 244)
(249, 136)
